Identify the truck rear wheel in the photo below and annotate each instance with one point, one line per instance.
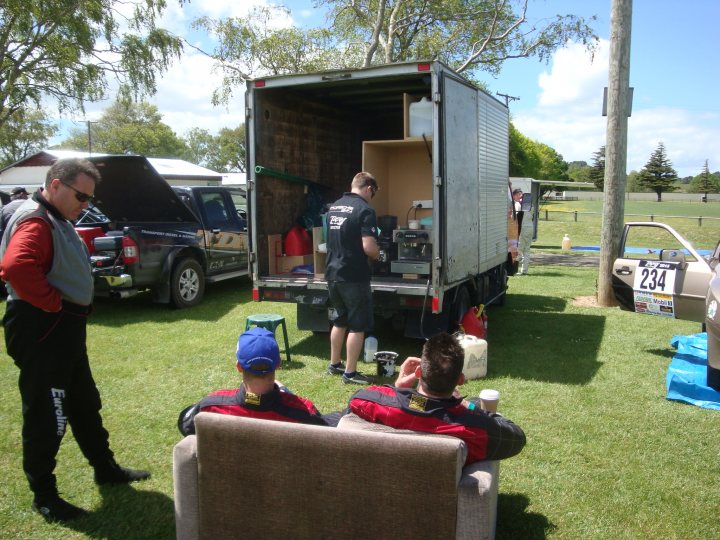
(187, 285)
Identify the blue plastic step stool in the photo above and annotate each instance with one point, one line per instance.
(269, 321)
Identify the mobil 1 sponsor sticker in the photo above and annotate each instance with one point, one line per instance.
(654, 286)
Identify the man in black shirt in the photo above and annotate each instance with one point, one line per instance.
(351, 242)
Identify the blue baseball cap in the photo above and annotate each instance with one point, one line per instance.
(257, 351)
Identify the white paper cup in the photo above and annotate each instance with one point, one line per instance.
(489, 400)
(385, 361)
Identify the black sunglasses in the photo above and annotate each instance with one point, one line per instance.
(79, 195)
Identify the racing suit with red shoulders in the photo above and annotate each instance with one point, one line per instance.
(278, 404)
(488, 436)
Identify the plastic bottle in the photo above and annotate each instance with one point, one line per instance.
(566, 244)
(371, 347)
(421, 118)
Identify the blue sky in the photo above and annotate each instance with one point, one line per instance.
(674, 71)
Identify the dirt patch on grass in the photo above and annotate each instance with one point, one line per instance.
(585, 301)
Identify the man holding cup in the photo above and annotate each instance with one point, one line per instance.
(435, 406)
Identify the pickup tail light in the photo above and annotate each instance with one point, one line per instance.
(131, 254)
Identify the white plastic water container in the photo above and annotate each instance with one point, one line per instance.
(371, 345)
(566, 243)
(421, 118)
(475, 356)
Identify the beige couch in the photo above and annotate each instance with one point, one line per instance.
(249, 478)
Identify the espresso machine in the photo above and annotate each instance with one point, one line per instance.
(414, 251)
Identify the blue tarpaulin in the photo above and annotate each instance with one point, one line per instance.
(687, 375)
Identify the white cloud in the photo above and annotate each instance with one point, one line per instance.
(568, 117)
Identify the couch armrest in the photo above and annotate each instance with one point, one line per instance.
(185, 487)
(477, 500)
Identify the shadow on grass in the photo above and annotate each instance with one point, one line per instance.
(514, 521)
(663, 353)
(528, 340)
(127, 514)
(219, 299)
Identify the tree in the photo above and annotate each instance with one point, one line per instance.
(253, 45)
(71, 50)
(532, 159)
(200, 145)
(705, 182)
(129, 127)
(224, 152)
(466, 34)
(469, 35)
(596, 174)
(658, 174)
(579, 171)
(633, 183)
(231, 149)
(25, 132)
(552, 164)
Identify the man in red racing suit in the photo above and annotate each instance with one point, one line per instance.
(436, 407)
(259, 396)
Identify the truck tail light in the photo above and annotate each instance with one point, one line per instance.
(131, 254)
(256, 295)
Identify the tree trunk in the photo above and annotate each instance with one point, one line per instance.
(616, 147)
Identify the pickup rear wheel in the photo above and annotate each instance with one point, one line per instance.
(187, 285)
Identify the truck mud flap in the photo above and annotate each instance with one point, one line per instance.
(313, 318)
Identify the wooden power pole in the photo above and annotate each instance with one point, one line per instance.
(616, 147)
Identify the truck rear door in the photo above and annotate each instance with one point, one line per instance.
(460, 196)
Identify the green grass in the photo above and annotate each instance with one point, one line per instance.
(607, 456)
(586, 230)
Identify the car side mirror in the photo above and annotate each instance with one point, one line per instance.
(673, 255)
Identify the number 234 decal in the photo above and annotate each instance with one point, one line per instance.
(655, 276)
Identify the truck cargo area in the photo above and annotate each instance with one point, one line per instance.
(308, 135)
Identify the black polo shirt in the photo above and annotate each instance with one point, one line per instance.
(348, 220)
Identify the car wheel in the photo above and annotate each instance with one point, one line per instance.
(187, 285)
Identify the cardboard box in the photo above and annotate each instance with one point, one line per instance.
(283, 264)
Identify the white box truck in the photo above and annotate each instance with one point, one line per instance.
(438, 147)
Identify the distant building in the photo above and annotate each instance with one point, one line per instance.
(234, 178)
(30, 171)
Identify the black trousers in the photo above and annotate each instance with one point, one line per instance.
(56, 388)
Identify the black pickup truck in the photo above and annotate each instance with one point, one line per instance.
(169, 240)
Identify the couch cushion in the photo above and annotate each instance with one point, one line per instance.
(353, 421)
(264, 478)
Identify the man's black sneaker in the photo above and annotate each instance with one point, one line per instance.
(112, 473)
(358, 378)
(336, 369)
(56, 509)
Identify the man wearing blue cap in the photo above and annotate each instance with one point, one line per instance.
(259, 395)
